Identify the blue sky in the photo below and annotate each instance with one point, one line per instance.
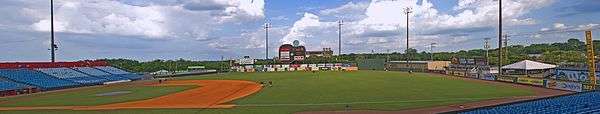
(208, 29)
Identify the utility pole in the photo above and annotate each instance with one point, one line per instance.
(431, 49)
(267, 26)
(486, 46)
(407, 11)
(388, 56)
(53, 46)
(499, 37)
(506, 46)
(340, 23)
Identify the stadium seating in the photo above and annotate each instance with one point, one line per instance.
(36, 78)
(72, 75)
(119, 72)
(9, 85)
(580, 103)
(112, 70)
(100, 74)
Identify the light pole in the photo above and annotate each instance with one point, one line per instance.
(53, 46)
(431, 49)
(407, 11)
(500, 37)
(486, 46)
(340, 23)
(267, 26)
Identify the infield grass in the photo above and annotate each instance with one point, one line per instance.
(325, 91)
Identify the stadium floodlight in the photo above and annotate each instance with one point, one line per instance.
(499, 37)
(340, 23)
(431, 46)
(267, 26)
(53, 46)
(407, 11)
(486, 46)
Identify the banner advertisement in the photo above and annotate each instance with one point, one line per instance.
(562, 85)
(572, 75)
(488, 77)
(531, 81)
(351, 68)
(506, 79)
(588, 87)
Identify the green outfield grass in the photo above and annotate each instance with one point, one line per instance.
(323, 91)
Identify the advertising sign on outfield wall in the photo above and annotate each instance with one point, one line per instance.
(488, 76)
(572, 75)
(562, 85)
(531, 81)
(506, 79)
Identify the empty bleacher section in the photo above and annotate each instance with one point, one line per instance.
(9, 85)
(579, 103)
(100, 74)
(29, 77)
(72, 75)
(35, 78)
(10, 88)
(119, 72)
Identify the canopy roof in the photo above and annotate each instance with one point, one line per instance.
(529, 65)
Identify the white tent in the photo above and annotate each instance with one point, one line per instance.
(529, 65)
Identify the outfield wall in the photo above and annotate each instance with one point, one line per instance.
(568, 80)
(296, 67)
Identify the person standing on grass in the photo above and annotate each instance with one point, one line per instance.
(262, 84)
(270, 83)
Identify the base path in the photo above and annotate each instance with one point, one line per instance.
(211, 94)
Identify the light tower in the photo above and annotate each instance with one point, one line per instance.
(431, 46)
(53, 46)
(500, 37)
(340, 23)
(267, 26)
(407, 11)
(486, 46)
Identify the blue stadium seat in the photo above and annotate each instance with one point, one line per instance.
(36, 78)
(101, 74)
(580, 103)
(9, 85)
(112, 70)
(132, 76)
(119, 72)
(72, 75)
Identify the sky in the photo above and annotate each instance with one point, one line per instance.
(211, 29)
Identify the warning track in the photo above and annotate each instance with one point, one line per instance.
(211, 94)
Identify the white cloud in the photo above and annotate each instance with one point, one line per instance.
(565, 27)
(527, 21)
(303, 28)
(587, 27)
(544, 29)
(348, 12)
(189, 19)
(384, 19)
(559, 26)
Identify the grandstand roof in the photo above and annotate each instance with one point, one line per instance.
(529, 65)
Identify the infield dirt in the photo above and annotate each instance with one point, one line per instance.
(210, 94)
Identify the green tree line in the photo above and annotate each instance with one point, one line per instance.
(571, 51)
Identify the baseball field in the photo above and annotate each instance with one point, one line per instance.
(291, 92)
